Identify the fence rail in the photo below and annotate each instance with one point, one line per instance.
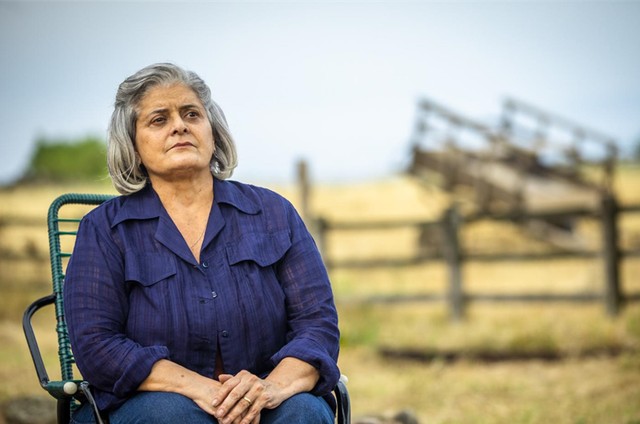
(453, 253)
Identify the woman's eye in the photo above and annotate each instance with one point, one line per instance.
(158, 120)
(192, 114)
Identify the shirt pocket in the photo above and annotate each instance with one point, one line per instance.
(264, 249)
(153, 316)
(259, 295)
(148, 269)
(253, 262)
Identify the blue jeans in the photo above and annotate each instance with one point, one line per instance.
(172, 408)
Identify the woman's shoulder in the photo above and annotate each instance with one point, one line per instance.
(111, 210)
(104, 209)
(261, 203)
(254, 193)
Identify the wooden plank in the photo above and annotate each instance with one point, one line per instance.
(453, 256)
(535, 297)
(391, 299)
(610, 254)
(483, 297)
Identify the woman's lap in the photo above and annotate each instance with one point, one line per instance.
(301, 408)
(172, 408)
(151, 407)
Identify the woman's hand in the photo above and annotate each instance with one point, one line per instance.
(202, 392)
(244, 395)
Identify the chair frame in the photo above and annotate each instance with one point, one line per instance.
(68, 389)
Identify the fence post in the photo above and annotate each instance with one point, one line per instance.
(303, 184)
(451, 226)
(610, 253)
(321, 228)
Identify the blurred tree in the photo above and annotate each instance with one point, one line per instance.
(636, 151)
(67, 160)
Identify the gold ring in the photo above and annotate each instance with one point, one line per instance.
(249, 401)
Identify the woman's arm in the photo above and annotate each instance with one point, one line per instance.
(290, 377)
(313, 335)
(167, 376)
(96, 310)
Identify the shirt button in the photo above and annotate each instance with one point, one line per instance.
(225, 334)
(214, 294)
(205, 264)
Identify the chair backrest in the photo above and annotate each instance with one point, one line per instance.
(62, 229)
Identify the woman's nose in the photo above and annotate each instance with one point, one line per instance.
(180, 127)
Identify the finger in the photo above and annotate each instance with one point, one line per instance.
(254, 420)
(229, 382)
(241, 413)
(255, 401)
(224, 377)
(251, 415)
(232, 393)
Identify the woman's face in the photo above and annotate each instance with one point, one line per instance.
(173, 134)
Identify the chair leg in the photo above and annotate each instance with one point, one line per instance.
(64, 411)
(344, 403)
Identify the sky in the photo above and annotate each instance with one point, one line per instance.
(334, 83)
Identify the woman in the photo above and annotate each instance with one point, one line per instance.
(191, 298)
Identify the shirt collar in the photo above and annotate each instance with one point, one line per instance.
(236, 195)
(146, 204)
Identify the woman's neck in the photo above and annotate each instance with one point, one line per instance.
(188, 203)
(184, 192)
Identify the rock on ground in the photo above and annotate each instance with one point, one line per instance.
(402, 417)
(29, 410)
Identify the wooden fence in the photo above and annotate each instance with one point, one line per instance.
(453, 253)
(450, 225)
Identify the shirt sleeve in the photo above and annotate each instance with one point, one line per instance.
(313, 335)
(96, 307)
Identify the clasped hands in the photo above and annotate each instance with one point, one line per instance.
(241, 397)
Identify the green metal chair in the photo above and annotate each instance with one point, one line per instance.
(69, 390)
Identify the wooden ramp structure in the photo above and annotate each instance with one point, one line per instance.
(532, 161)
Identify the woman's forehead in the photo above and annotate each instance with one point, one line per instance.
(165, 95)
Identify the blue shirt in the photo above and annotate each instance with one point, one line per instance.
(135, 294)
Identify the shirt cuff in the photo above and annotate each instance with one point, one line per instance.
(312, 353)
(138, 369)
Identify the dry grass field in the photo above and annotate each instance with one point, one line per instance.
(559, 362)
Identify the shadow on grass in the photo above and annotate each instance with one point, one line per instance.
(449, 356)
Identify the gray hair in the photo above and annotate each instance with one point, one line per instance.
(126, 171)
